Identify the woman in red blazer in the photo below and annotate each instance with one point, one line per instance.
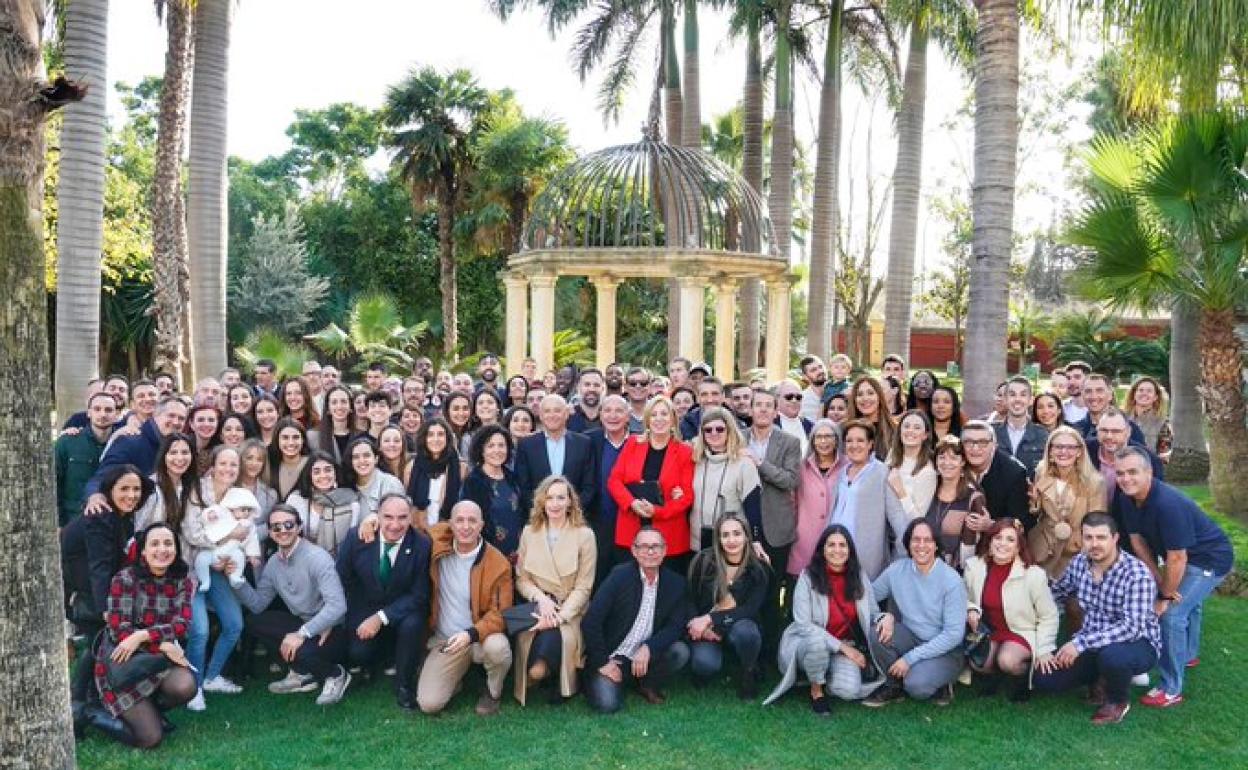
(656, 455)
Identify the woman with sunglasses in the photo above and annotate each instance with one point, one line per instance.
(725, 479)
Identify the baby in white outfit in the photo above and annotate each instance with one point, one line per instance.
(238, 507)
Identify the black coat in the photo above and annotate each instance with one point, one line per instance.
(614, 608)
(1005, 489)
(749, 591)
(407, 592)
(579, 466)
(93, 549)
(1030, 450)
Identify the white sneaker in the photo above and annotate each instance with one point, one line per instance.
(293, 683)
(222, 685)
(334, 688)
(390, 671)
(1140, 680)
(197, 703)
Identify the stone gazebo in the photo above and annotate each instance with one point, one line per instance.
(609, 217)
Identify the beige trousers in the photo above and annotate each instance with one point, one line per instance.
(442, 672)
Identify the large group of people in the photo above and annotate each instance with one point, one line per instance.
(600, 531)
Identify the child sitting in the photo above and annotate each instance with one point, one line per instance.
(236, 509)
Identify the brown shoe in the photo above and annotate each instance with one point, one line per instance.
(487, 705)
(538, 671)
(1110, 713)
(651, 695)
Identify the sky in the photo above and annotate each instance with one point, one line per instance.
(288, 54)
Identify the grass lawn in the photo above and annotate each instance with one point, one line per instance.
(711, 728)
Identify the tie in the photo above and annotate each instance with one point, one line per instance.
(384, 571)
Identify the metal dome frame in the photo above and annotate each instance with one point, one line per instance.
(608, 215)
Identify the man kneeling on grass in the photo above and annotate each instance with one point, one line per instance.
(1120, 636)
(309, 634)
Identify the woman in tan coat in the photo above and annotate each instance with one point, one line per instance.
(1067, 488)
(555, 568)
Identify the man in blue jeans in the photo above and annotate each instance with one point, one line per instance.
(1120, 636)
(1195, 557)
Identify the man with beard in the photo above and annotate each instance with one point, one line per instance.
(488, 369)
(424, 369)
(1073, 407)
(740, 400)
(585, 417)
(816, 375)
(614, 376)
(565, 381)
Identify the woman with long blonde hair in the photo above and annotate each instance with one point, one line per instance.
(1067, 487)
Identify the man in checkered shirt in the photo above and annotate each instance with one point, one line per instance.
(1120, 636)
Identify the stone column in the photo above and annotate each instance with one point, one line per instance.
(542, 342)
(605, 343)
(778, 322)
(691, 288)
(725, 327)
(517, 319)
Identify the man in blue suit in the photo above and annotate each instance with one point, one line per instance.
(386, 583)
(556, 451)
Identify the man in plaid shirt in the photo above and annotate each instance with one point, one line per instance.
(1120, 636)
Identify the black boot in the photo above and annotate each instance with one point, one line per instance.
(1018, 689)
(78, 710)
(747, 688)
(987, 685)
(99, 718)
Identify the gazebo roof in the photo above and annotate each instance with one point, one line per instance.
(649, 196)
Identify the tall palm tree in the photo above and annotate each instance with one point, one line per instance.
(170, 274)
(826, 219)
(34, 689)
(80, 201)
(691, 95)
(206, 190)
(779, 198)
(1168, 217)
(752, 170)
(434, 117)
(992, 198)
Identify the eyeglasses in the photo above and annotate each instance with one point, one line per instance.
(976, 443)
(792, 396)
(637, 383)
(283, 526)
(648, 547)
(715, 429)
(1065, 448)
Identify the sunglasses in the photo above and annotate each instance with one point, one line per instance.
(792, 396)
(715, 429)
(637, 383)
(283, 526)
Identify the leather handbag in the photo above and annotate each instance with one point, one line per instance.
(134, 669)
(520, 617)
(978, 643)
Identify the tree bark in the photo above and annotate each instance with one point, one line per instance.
(674, 115)
(170, 272)
(780, 196)
(1221, 392)
(1189, 460)
(447, 280)
(34, 688)
(691, 104)
(827, 178)
(80, 201)
(907, 184)
(751, 296)
(992, 203)
(207, 197)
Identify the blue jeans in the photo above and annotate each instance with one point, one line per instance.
(607, 697)
(1180, 626)
(229, 614)
(707, 658)
(1115, 663)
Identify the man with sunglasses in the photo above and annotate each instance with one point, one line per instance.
(308, 634)
(637, 391)
(633, 626)
(789, 413)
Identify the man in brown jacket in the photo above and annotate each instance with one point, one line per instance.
(471, 586)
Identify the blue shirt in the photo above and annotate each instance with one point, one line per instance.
(555, 450)
(1168, 520)
(933, 606)
(845, 511)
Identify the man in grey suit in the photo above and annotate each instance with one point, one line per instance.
(778, 457)
(1017, 434)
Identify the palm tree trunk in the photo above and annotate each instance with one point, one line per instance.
(780, 196)
(992, 203)
(36, 730)
(206, 195)
(826, 214)
(674, 121)
(1221, 391)
(907, 183)
(691, 106)
(752, 169)
(80, 201)
(169, 251)
(447, 281)
(1189, 459)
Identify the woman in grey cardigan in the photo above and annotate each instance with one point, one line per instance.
(865, 505)
(833, 606)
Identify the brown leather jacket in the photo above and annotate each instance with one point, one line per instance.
(490, 583)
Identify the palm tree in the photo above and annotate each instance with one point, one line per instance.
(752, 169)
(949, 21)
(1167, 218)
(779, 198)
(170, 274)
(375, 332)
(691, 105)
(37, 731)
(434, 117)
(826, 219)
(992, 198)
(206, 190)
(80, 201)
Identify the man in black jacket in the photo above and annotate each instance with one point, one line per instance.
(1002, 478)
(386, 583)
(556, 451)
(1017, 434)
(633, 627)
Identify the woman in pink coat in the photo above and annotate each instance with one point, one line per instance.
(816, 492)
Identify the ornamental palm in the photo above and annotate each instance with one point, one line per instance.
(1168, 218)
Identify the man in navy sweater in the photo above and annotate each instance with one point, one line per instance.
(137, 450)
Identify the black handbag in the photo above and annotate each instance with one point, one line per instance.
(978, 643)
(520, 617)
(136, 668)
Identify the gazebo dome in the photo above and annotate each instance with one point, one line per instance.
(650, 195)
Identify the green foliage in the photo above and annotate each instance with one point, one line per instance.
(331, 145)
(572, 347)
(274, 288)
(1095, 339)
(375, 332)
(288, 357)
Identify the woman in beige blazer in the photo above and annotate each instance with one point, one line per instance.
(555, 568)
(1067, 488)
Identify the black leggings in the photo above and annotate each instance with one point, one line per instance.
(548, 646)
(143, 718)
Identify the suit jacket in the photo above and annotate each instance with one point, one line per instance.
(779, 472)
(579, 466)
(614, 609)
(1030, 450)
(1005, 489)
(407, 592)
(139, 451)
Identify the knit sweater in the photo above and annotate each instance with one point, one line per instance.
(308, 583)
(933, 606)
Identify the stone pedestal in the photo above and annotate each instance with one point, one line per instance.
(517, 320)
(542, 341)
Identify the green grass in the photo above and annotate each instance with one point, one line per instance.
(711, 728)
(1236, 531)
